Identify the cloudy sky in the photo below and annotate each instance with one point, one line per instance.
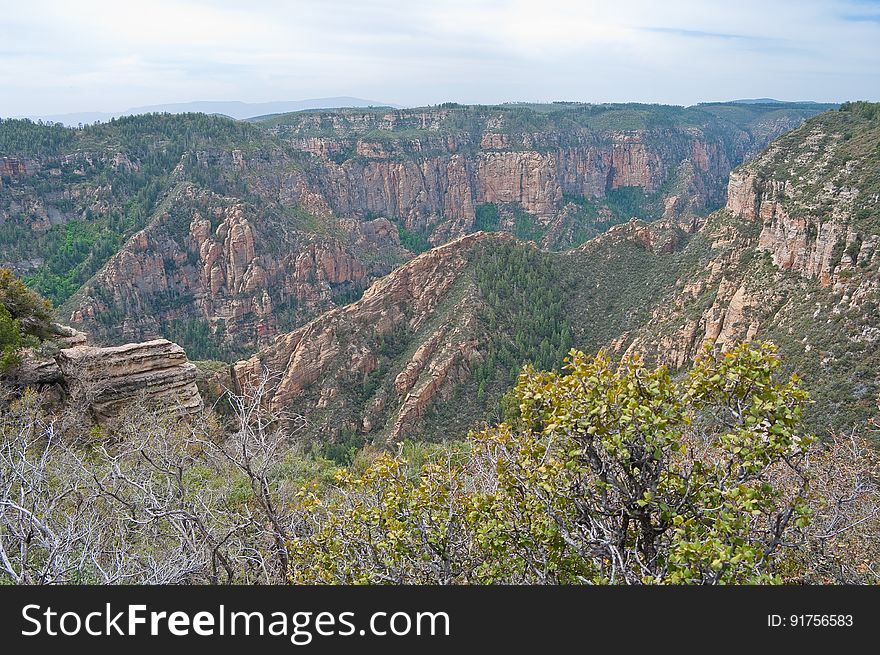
(95, 55)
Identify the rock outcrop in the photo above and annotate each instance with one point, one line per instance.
(35, 371)
(109, 379)
(40, 370)
(14, 168)
(215, 262)
(805, 193)
(325, 366)
(106, 380)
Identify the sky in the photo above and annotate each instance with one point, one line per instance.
(95, 55)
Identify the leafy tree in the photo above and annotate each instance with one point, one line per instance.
(24, 319)
(34, 312)
(11, 340)
(612, 473)
(672, 480)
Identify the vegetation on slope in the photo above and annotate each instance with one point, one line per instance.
(519, 307)
(522, 313)
(843, 151)
(638, 295)
(125, 165)
(614, 474)
(25, 318)
(468, 121)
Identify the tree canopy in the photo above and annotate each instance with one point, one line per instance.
(613, 473)
(24, 319)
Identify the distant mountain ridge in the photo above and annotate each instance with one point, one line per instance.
(232, 109)
(773, 101)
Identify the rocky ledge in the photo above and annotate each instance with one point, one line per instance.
(107, 379)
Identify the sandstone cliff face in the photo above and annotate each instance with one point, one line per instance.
(218, 261)
(445, 163)
(437, 192)
(809, 193)
(109, 379)
(804, 244)
(14, 168)
(325, 366)
(527, 178)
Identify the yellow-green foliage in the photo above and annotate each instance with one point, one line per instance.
(10, 340)
(613, 473)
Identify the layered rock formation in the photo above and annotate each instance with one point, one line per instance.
(712, 305)
(109, 379)
(14, 168)
(412, 332)
(814, 235)
(216, 261)
(433, 180)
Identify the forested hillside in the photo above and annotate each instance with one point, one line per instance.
(486, 411)
(71, 197)
(768, 265)
(103, 220)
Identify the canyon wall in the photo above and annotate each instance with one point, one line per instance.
(436, 188)
(241, 274)
(413, 329)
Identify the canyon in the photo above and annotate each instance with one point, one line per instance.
(222, 235)
(780, 261)
(368, 259)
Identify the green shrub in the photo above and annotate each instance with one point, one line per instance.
(613, 473)
(25, 318)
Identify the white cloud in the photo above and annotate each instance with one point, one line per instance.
(58, 56)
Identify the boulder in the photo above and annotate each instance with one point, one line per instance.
(109, 378)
